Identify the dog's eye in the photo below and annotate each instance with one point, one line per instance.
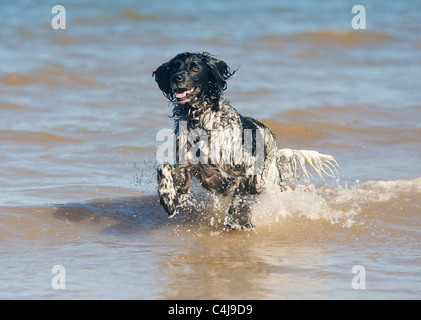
(195, 68)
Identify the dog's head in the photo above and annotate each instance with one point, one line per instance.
(193, 78)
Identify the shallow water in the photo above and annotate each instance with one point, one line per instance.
(79, 117)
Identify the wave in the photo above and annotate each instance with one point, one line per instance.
(54, 76)
(34, 137)
(319, 208)
(125, 15)
(315, 210)
(370, 124)
(12, 106)
(313, 213)
(347, 206)
(137, 16)
(328, 38)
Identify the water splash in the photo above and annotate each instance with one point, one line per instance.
(145, 176)
(345, 207)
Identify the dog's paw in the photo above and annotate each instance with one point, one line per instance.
(238, 218)
(166, 190)
(236, 226)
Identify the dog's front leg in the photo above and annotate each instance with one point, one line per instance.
(166, 189)
(172, 182)
(238, 214)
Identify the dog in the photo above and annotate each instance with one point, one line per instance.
(246, 158)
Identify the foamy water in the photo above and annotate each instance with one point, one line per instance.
(79, 117)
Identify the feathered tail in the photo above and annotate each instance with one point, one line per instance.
(294, 163)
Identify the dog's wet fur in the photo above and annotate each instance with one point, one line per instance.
(194, 83)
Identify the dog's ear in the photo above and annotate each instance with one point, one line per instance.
(220, 72)
(162, 77)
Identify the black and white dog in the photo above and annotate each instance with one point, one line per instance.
(242, 158)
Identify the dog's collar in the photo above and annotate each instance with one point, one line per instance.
(194, 115)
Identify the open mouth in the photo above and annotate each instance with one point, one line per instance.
(183, 93)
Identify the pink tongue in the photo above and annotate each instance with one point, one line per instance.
(181, 93)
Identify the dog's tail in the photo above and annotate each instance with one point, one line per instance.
(293, 163)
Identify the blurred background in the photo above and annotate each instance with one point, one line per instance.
(79, 113)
